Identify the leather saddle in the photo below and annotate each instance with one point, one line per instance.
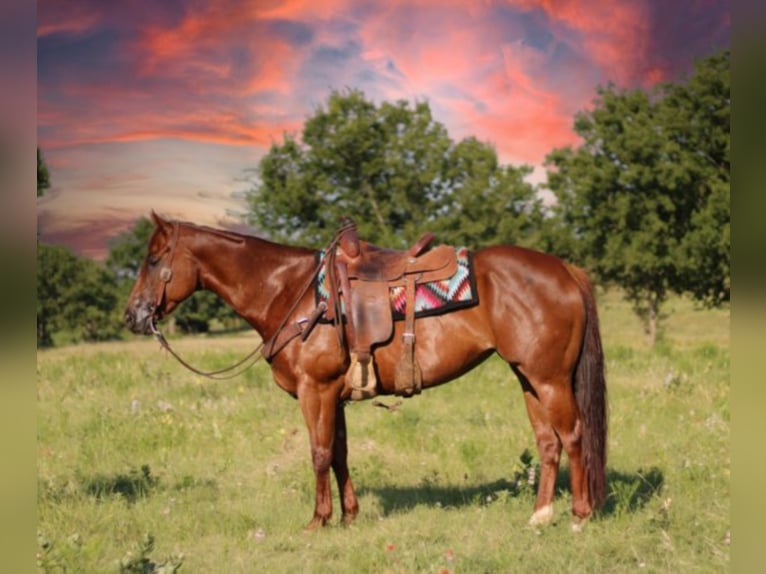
(362, 274)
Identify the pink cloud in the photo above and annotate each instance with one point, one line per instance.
(616, 36)
(524, 121)
(497, 91)
(428, 45)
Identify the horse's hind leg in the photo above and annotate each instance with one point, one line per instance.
(549, 449)
(348, 502)
(556, 397)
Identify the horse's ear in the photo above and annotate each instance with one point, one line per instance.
(159, 222)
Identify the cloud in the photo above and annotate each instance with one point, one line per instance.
(186, 95)
(120, 182)
(73, 18)
(194, 78)
(55, 230)
(487, 84)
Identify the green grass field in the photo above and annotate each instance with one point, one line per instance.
(218, 473)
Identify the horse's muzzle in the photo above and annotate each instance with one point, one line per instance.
(139, 317)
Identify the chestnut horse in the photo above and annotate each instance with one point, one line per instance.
(536, 311)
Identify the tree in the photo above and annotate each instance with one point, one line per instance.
(644, 201)
(74, 295)
(52, 266)
(395, 171)
(43, 177)
(698, 113)
(485, 202)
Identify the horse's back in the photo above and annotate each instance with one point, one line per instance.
(521, 270)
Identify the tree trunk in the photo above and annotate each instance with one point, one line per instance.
(43, 336)
(385, 232)
(652, 313)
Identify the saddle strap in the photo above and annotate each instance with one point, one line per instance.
(408, 377)
(409, 318)
(343, 290)
(302, 327)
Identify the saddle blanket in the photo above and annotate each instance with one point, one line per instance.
(434, 298)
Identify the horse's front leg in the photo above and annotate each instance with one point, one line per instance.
(319, 411)
(348, 501)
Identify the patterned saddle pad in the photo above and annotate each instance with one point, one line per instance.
(434, 298)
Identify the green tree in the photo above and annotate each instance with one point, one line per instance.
(395, 171)
(698, 114)
(485, 202)
(43, 177)
(644, 202)
(76, 297)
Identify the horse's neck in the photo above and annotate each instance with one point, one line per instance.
(260, 280)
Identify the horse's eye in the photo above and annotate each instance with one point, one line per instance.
(153, 260)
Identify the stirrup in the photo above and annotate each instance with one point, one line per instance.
(361, 378)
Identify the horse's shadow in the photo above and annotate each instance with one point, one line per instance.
(394, 498)
(630, 492)
(626, 492)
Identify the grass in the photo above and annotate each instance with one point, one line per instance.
(218, 473)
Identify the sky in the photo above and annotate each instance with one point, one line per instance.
(165, 105)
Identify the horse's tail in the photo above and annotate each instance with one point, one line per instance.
(590, 393)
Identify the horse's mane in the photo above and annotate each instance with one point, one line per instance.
(229, 235)
(233, 236)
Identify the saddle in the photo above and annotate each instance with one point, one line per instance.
(362, 274)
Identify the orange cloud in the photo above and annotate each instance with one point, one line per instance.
(198, 48)
(301, 9)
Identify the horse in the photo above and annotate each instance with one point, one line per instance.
(535, 311)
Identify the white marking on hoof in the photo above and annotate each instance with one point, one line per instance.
(578, 524)
(542, 516)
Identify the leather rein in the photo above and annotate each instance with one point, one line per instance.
(268, 349)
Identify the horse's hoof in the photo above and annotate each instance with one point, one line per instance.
(542, 516)
(578, 524)
(315, 524)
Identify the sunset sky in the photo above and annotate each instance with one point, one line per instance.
(164, 105)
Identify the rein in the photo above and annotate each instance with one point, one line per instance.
(268, 349)
(217, 375)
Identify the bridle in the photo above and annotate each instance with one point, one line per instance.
(266, 349)
(166, 273)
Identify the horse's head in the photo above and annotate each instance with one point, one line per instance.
(167, 276)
